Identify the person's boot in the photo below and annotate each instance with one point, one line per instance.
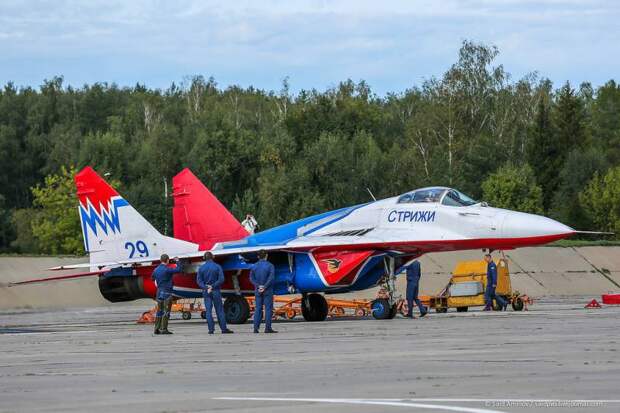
(423, 313)
(227, 331)
(157, 325)
(164, 325)
(270, 331)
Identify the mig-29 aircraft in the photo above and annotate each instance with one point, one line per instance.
(349, 249)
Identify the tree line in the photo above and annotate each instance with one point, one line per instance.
(517, 143)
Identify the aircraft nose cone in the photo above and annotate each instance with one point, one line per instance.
(522, 225)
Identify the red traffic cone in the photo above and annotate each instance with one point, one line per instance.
(147, 317)
(593, 304)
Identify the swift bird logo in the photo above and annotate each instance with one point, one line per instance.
(333, 264)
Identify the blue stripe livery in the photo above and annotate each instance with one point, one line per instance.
(107, 221)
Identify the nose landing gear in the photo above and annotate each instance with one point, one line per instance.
(385, 307)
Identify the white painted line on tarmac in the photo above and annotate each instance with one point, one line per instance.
(32, 333)
(524, 403)
(240, 361)
(372, 402)
(514, 400)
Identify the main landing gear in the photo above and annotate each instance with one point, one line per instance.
(314, 307)
(237, 309)
(384, 308)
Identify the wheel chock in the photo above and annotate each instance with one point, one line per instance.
(593, 304)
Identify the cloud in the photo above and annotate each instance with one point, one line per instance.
(392, 44)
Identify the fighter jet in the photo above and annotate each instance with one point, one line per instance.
(349, 249)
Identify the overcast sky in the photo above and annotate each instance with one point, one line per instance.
(393, 45)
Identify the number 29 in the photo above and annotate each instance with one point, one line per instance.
(139, 247)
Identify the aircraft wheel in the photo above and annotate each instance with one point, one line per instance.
(203, 315)
(441, 309)
(237, 309)
(314, 307)
(517, 304)
(380, 309)
(461, 309)
(186, 315)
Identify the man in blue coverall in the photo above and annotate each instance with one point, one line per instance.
(413, 287)
(162, 275)
(489, 293)
(210, 278)
(262, 276)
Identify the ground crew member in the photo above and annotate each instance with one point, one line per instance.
(250, 224)
(210, 278)
(162, 275)
(262, 276)
(413, 287)
(489, 293)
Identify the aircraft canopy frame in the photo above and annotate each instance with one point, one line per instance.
(437, 195)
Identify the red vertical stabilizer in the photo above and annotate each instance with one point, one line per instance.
(198, 216)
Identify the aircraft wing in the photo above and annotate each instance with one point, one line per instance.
(151, 261)
(225, 249)
(308, 243)
(62, 277)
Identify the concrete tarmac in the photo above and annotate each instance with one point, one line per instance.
(558, 357)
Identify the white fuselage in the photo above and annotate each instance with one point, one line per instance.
(388, 221)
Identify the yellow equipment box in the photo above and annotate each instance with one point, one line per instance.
(468, 283)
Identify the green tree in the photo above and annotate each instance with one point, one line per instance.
(601, 200)
(24, 241)
(9, 162)
(285, 195)
(246, 204)
(513, 187)
(55, 224)
(543, 149)
(569, 120)
(578, 170)
(606, 119)
(6, 229)
(104, 151)
(64, 143)
(226, 160)
(285, 155)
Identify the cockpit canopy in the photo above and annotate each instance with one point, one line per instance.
(445, 196)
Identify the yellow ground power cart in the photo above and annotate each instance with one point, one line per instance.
(468, 283)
